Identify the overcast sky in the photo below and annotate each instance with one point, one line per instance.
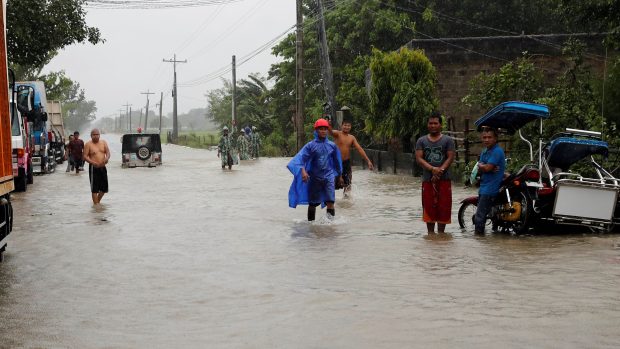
(130, 61)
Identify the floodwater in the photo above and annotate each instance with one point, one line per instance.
(189, 256)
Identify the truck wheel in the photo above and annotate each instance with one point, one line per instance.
(20, 180)
(29, 176)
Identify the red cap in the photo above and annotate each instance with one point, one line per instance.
(321, 123)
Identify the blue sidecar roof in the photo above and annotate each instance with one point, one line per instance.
(511, 116)
(565, 151)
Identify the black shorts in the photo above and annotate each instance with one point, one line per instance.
(98, 179)
(347, 174)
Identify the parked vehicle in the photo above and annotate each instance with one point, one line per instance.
(568, 197)
(513, 210)
(6, 171)
(32, 101)
(56, 130)
(22, 150)
(141, 150)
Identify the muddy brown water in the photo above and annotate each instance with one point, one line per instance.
(189, 256)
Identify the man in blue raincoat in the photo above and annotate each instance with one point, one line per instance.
(316, 168)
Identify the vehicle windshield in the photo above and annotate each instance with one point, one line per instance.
(15, 127)
(131, 143)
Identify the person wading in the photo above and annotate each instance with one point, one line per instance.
(434, 152)
(97, 154)
(316, 169)
(345, 141)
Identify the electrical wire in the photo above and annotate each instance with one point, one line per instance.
(152, 4)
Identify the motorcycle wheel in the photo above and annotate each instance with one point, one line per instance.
(467, 211)
(522, 225)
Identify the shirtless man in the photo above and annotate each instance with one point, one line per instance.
(97, 154)
(345, 141)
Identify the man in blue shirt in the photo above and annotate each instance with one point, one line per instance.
(491, 167)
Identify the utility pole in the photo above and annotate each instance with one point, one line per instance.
(130, 123)
(146, 119)
(299, 76)
(120, 117)
(127, 114)
(175, 128)
(326, 66)
(161, 99)
(234, 91)
(140, 122)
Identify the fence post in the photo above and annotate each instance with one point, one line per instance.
(466, 140)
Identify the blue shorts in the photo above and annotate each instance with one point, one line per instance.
(321, 190)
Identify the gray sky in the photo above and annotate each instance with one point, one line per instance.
(130, 61)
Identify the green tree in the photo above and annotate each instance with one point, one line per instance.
(595, 15)
(519, 80)
(402, 93)
(37, 29)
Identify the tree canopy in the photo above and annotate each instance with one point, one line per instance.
(37, 29)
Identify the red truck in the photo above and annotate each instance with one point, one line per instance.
(6, 167)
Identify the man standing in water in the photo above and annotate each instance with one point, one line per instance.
(255, 143)
(316, 169)
(225, 149)
(76, 149)
(435, 153)
(491, 167)
(345, 141)
(97, 154)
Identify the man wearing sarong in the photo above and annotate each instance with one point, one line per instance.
(243, 146)
(434, 152)
(225, 149)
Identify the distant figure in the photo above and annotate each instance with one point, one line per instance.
(139, 129)
(435, 152)
(225, 149)
(491, 166)
(97, 154)
(255, 143)
(68, 157)
(345, 141)
(316, 169)
(243, 146)
(76, 148)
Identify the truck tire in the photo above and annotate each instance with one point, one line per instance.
(21, 182)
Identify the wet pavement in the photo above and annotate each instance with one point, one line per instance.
(189, 256)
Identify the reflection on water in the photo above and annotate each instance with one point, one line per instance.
(187, 255)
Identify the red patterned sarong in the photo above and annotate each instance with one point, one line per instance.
(437, 201)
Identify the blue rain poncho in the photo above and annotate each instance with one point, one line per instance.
(322, 160)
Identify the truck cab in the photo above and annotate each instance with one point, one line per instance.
(22, 151)
(32, 101)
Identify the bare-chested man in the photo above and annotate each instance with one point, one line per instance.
(97, 154)
(345, 141)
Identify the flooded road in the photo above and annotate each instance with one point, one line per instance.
(189, 256)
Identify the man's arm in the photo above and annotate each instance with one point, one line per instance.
(361, 151)
(107, 153)
(450, 154)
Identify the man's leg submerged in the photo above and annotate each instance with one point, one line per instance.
(430, 228)
(485, 203)
(312, 212)
(331, 209)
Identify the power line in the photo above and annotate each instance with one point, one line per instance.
(227, 69)
(152, 4)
